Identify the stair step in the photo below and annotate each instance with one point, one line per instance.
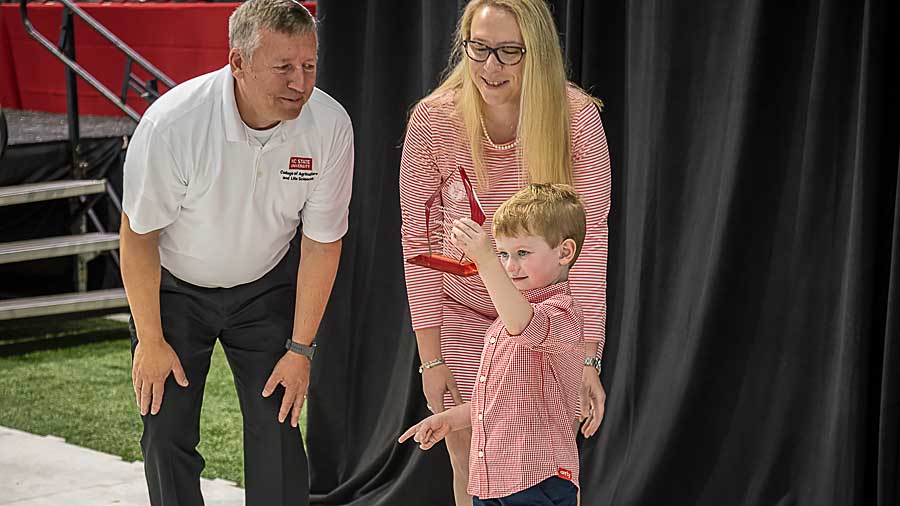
(49, 190)
(46, 305)
(48, 247)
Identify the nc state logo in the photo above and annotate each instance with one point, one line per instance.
(300, 163)
(300, 168)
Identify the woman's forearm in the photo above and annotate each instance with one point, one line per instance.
(429, 343)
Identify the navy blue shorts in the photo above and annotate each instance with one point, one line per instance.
(553, 491)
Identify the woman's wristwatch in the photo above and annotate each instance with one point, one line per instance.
(592, 362)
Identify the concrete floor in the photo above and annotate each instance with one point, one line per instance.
(45, 470)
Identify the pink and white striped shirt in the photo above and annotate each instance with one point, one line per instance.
(525, 398)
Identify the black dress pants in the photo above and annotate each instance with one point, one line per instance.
(252, 321)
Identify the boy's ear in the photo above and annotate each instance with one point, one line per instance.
(567, 250)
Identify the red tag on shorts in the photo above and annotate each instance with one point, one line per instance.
(564, 474)
(300, 163)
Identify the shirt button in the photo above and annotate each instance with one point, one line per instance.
(492, 340)
(480, 453)
(482, 379)
(481, 416)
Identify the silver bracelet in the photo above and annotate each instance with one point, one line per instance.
(592, 362)
(431, 363)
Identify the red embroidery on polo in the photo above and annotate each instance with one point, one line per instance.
(300, 163)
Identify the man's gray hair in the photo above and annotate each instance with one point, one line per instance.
(283, 16)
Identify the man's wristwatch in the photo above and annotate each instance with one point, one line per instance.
(302, 349)
(593, 362)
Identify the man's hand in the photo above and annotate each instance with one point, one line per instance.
(153, 361)
(593, 401)
(436, 381)
(472, 240)
(429, 431)
(291, 372)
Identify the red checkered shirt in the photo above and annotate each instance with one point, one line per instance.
(526, 398)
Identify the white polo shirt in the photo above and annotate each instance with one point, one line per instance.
(228, 207)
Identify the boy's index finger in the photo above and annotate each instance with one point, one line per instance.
(409, 432)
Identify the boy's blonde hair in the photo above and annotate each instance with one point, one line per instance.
(549, 210)
(543, 128)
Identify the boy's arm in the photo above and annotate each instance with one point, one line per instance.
(514, 310)
(551, 326)
(458, 416)
(431, 430)
(555, 327)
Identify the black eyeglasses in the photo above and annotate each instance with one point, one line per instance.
(507, 55)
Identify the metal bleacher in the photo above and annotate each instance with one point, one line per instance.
(85, 242)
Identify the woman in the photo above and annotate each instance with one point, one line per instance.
(507, 115)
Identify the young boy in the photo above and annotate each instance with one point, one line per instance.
(526, 394)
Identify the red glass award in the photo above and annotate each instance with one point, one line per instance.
(438, 258)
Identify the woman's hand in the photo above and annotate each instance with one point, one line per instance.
(435, 381)
(593, 401)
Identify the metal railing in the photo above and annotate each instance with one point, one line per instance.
(65, 52)
(148, 90)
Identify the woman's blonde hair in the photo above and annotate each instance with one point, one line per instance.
(543, 129)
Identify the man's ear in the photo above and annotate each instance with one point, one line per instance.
(237, 62)
(567, 250)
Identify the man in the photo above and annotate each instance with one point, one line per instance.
(220, 173)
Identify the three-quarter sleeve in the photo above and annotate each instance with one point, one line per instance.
(591, 168)
(419, 179)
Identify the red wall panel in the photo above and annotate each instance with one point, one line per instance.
(183, 40)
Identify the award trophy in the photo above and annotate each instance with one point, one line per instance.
(437, 257)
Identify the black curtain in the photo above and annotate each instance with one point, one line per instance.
(752, 352)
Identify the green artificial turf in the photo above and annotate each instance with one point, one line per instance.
(84, 394)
